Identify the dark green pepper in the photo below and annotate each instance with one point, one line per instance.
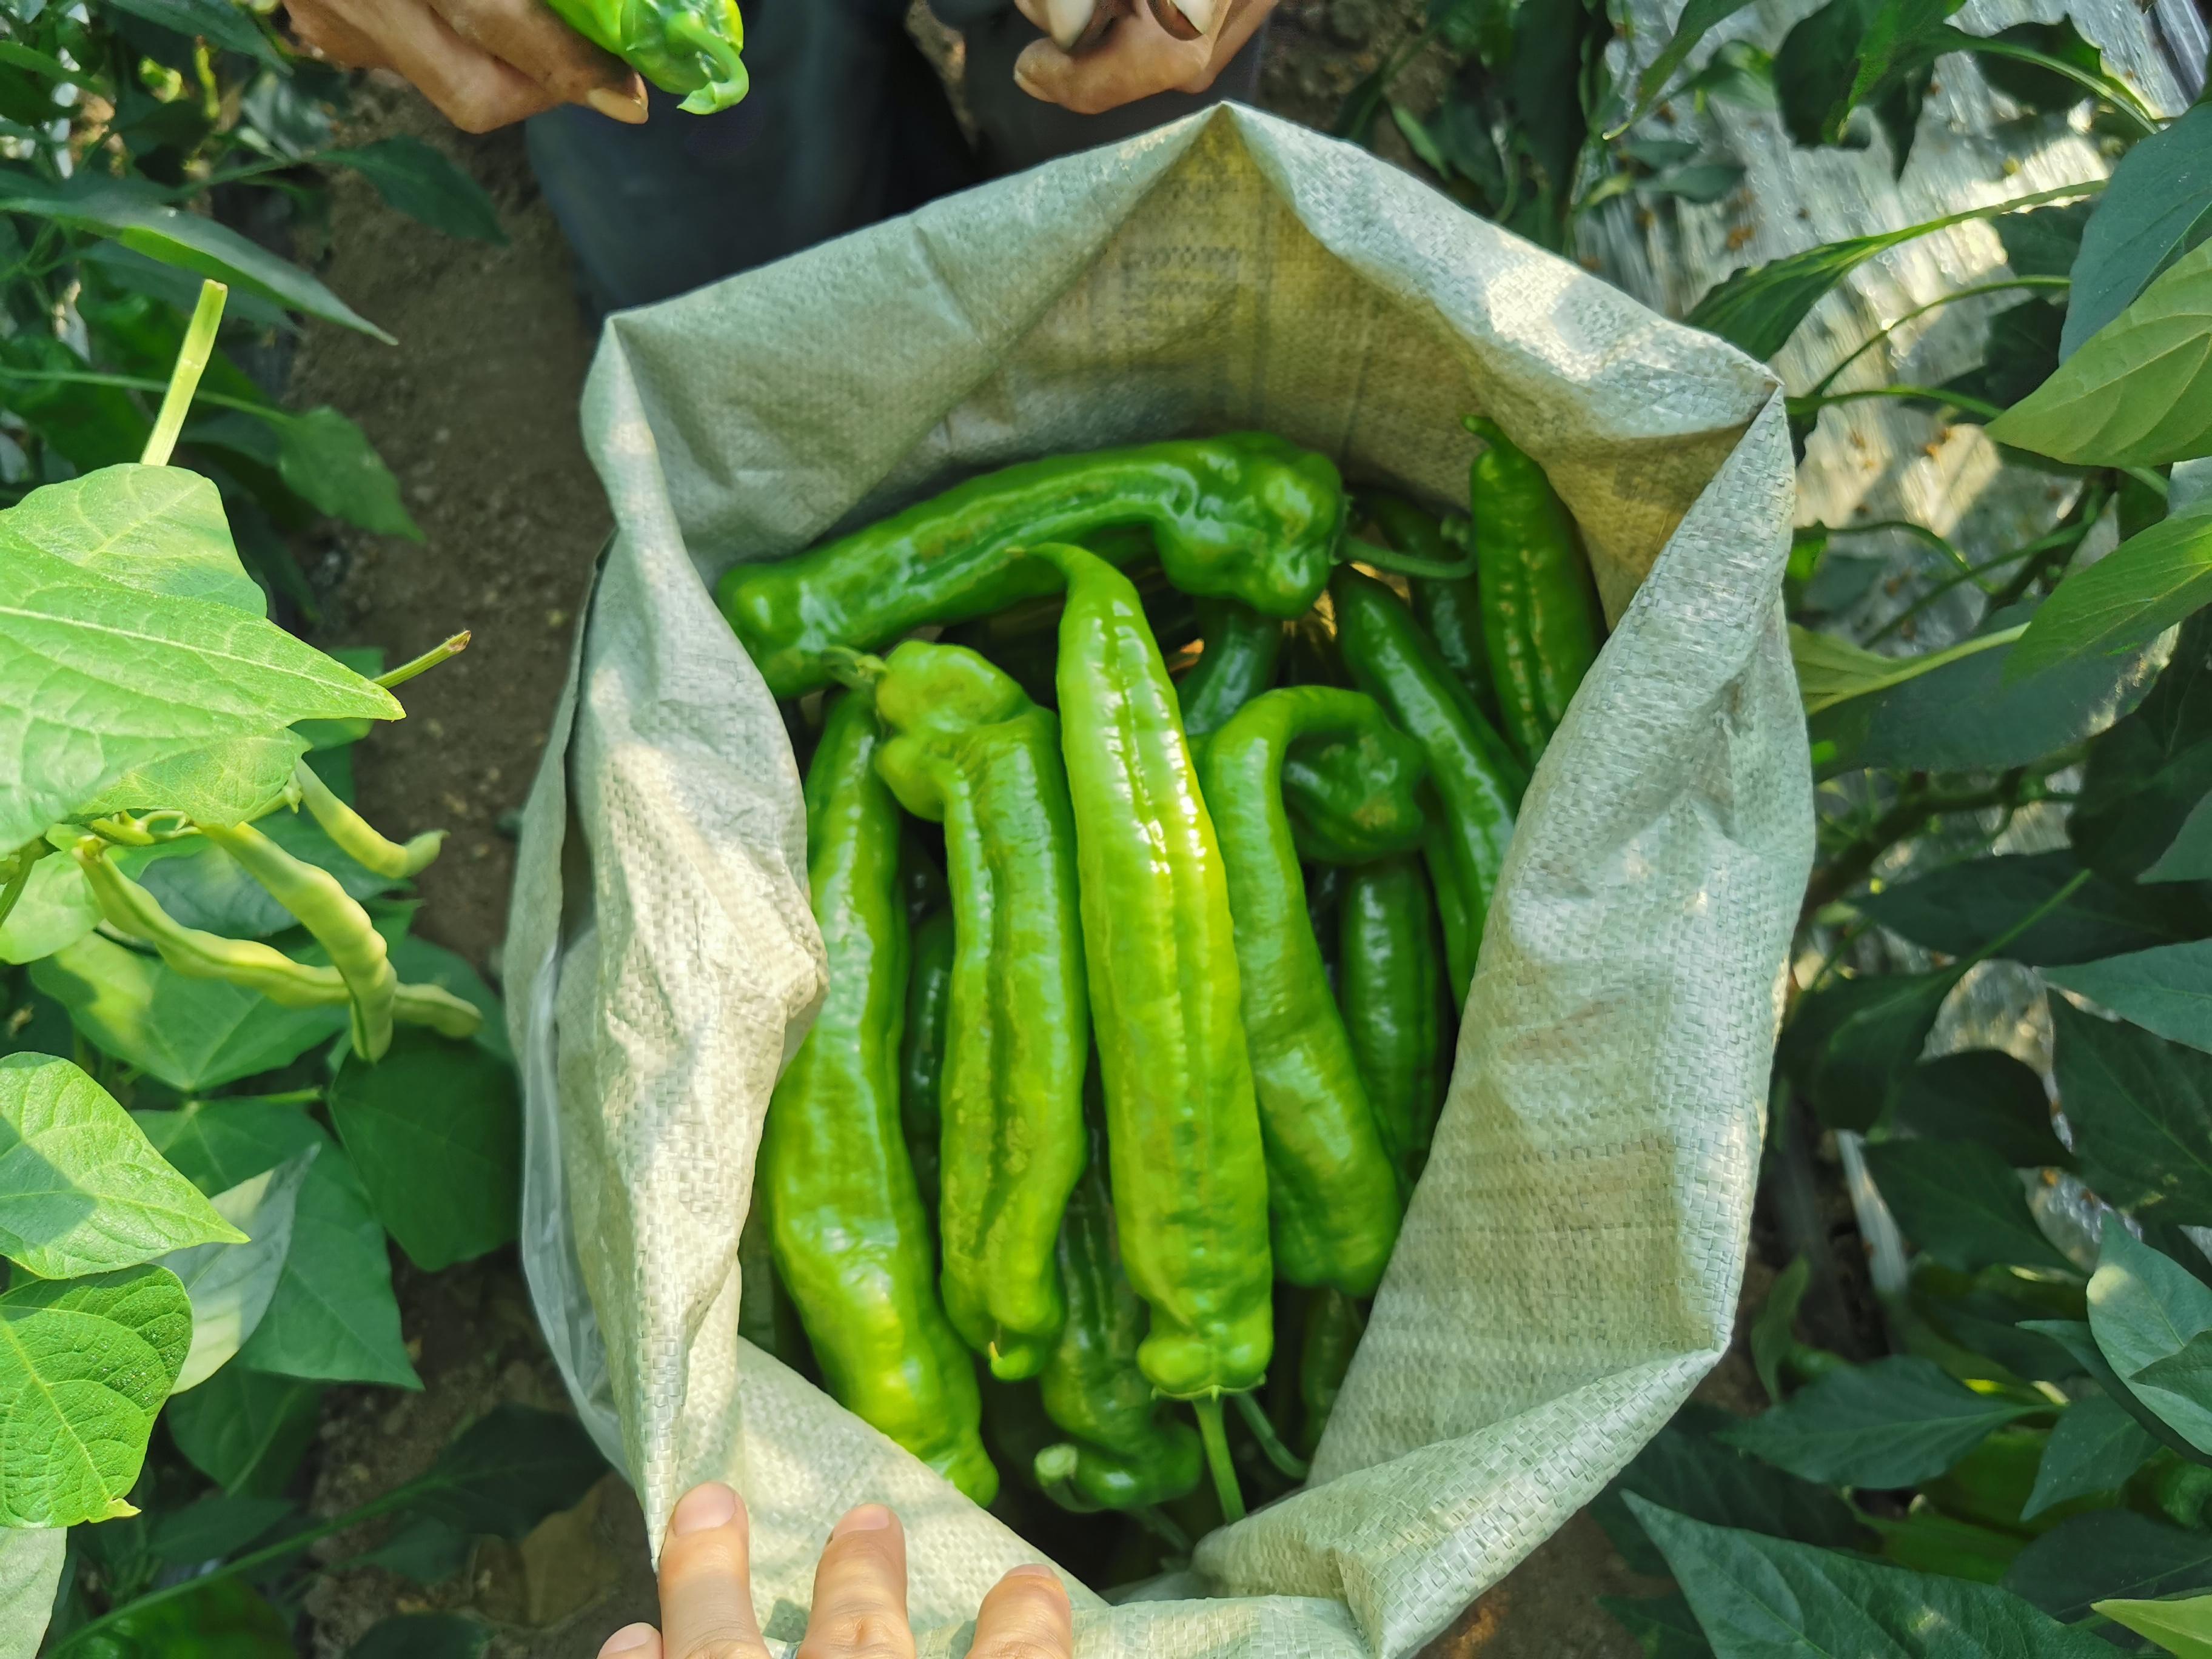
(689, 46)
(1358, 796)
(1334, 1325)
(1477, 782)
(971, 751)
(1244, 516)
(1332, 1198)
(1390, 986)
(1539, 613)
(1450, 608)
(921, 1051)
(851, 1240)
(1238, 664)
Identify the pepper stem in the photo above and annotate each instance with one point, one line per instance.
(185, 379)
(855, 670)
(1353, 550)
(1215, 1438)
(445, 651)
(1292, 1466)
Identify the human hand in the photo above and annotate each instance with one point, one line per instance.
(1135, 58)
(482, 62)
(859, 1595)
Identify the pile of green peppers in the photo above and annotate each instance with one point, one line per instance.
(1152, 855)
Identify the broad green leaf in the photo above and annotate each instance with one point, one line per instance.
(1698, 19)
(1981, 1095)
(2134, 394)
(224, 1619)
(80, 1189)
(1663, 1626)
(2187, 1372)
(2167, 991)
(159, 528)
(1831, 670)
(2095, 1448)
(2144, 1307)
(2075, 1337)
(424, 1636)
(214, 1527)
(2106, 1553)
(1962, 1203)
(2040, 86)
(2154, 209)
(1765, 1598)
(56, 911)
(245, 1429)
(84, 1365)
(1684, 1469)
(1773, 1333)
(1963, 907)
(231, 781)
(2046, 242)
(2183, 1628)
(206, 888)
(418, 962)
(420, 182)
(2140, 1112)
(2124, 602)
(2189, 856)
(136, 215)
(219, 23)
(2147, 774)
(334, 1317)
(1901, 36)
(1851, 1042)
(97, 678)
(2021, 353)
(1895, 1423)
(231, 1284)
(435, 1129)
(328, 462)
(510, 1469)
(428, 1551)
(192, 1034)
(30, 1573)
(1928, 1540)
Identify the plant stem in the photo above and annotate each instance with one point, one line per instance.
(1977, 408)
(287, 1098)
(185, 379)
(1290, 1464)
(26, 857)
(1843, 873)
(1875, 339)
(1921, 533)
(445, 651)
(1215, 1438)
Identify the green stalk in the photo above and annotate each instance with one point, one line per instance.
(1291, 1466)
(25, 859)
(1883, 333)
(445, 651)
(1215, 1438)
(184, 378)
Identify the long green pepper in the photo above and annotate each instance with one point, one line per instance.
(922, 1049)
(1391, 987)
(1332, 1197)
(1238, 664)
(1450, 608)
(852, 1242)
(689, 46)
(971, 750)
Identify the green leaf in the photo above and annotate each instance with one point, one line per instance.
(1962, 1203)
(232, 781)
(334, 1317)
(1852, 1042)
(2095, 1448)
(2154, 211)
(2187, 1372)
(245, 1429)
(2021, 353)
(2143, 1308)
(2147, 774)
(214, 1527)
(1698, 19)
(1831, 670)
(509, 1470)
(428, 1551)
(2140, 1112)
(84, 1365)
(419, 181)
(424, 1636)
(2074, 1336)
(206, 888)
(219, 22)
(2105, 1554)
(97, 678)
(1663, 1626)
(1702, 182)
(1895, 1423)
(2046, 242)
(2125, 600)
(2134, 394)
(329, 463)
(224, 1619)
(435, 1129)
(1981, 1095)
(158, 528)
(2182, 1628)
(2031, 84)
(231, 1284)
(56, 911)
(2167, 991)
(192, 1034)
(1765, 1598)
(136, 215)
(418, 962)
(1773, 1333)
(1928, 1540)
(1963, 907)
(30, 1573)
(80, 1189)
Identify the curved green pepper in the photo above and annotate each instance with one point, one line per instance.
(1476, 780)
(1125, 1451)
(1539, 613)
(1333, 1200)
(1357, 796)
(1244, 516)
(689, 46)
(1238, 664)
(1450, 608)
(921, 1050)
(851, 1241)
(972, 752)
(1334, 1325)
(1390, 986)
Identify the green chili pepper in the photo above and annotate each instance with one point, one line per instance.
(1358, 796)
(689, 46)
(1126, 1451)
(1539, 614)
(1334, 1327)
(1245, 516)
(1390, 986)
(1332, 1199)
(851, 1241)
(921, 1051)
(971, 750)
(1450, 609)
(1238, 664)
(357, 838)
(1476, 780)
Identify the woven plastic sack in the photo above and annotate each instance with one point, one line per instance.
(1570, 1265)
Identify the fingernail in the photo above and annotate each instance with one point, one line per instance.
(628, 1639)
(702, 1508)
(626, 107)
(1033, 1570)
(869, 1517)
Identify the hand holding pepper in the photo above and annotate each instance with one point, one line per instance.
(1138, 54)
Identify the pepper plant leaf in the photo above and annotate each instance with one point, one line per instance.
(1896, 1422)
(2109, 1553)
(2157, 207)
(231, 1284)
(2096, 1446)
(329, 463)
(245, 1429)
(422, 182)
(2140, 1112)
(1699, 18)
(1961, 1203)
(2166, 990)
(158, 528)
(2144, 1307)
(2183, 1628)
(1963, 907)
(1851, 1042)
(2124, 601)
(510, 1469)
(2146, 775)
(1985, 1095)
(216, 21)
(56, 909)
(424, 1636)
